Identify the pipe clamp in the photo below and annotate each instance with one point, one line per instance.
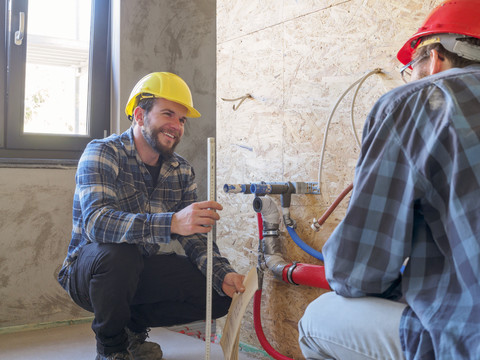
(270, 233)
(290, 272)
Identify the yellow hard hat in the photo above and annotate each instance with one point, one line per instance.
(162, 85)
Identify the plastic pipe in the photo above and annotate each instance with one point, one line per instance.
(270, 188)
(270, 252)
(260, 225)
(305, 274)
(309, 250)
(269, 211)
(257, 322)
(236, 188)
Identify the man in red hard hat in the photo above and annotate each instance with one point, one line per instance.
(404, 263)
(138, 254)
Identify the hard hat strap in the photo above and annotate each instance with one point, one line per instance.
(454, 44)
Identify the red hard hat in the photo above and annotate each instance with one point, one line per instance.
(455, 17)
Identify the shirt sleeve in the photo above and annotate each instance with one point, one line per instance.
(365, 253)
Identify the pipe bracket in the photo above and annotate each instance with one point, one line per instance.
(290, 273)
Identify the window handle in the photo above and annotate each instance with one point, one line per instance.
(19, 34)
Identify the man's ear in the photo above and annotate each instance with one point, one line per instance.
(138, 113)
(438, 63)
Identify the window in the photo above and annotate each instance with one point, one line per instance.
(55, 87)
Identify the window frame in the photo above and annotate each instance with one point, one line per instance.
(14, 144)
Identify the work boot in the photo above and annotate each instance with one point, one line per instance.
(141, 349)
(124, 355)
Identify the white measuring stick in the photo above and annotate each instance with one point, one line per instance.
(211, 196)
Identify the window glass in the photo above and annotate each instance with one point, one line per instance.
(56, 73)
(55, 83)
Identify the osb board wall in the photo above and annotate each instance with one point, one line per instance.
(296, 58)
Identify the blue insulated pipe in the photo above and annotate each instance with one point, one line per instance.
(309, 250)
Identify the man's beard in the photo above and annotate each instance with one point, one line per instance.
(151, 136)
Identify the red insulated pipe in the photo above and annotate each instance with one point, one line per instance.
(260, 225)
(306, 274)
(257, 322)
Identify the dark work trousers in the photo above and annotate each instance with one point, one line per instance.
(123, 288)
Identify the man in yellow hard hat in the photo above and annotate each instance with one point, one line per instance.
(137, 257)
(404, 263)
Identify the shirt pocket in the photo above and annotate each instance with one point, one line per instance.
(167, 200)
(130, 198)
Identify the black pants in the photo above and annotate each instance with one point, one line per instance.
(123, 288)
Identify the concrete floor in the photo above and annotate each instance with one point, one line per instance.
(75, 342)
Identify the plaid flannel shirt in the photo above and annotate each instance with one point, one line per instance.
(417, 195)
(115, 201)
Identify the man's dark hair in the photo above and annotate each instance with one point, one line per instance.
(147, 104)
(456, 60)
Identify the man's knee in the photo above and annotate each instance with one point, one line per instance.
(119, 258)
(321, 309)
(112, 263)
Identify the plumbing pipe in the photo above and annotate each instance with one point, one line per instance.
(293, 273)
(305, 274)
(237, 188)
(270, 188)
(257, 322)
(264, 188)
(318, 224)
(269, 245)
(285, 190)
(269, 211)
(304, 246)
(261, 265)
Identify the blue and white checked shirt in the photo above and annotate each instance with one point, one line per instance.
(116, 201)
(417, 195)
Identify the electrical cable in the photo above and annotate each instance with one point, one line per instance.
(359, 82)
(359, 85)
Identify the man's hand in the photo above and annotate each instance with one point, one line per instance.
(191, 220)
(233, 283)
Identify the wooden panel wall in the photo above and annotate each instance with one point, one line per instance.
(296, 58)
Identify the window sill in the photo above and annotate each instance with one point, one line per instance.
(38, 163)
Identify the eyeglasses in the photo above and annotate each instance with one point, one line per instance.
(406, 72)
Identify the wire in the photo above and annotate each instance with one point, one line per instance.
(241, 98)
(359, 82)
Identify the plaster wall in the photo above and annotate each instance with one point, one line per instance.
(35, 203)
(296, 58)
(35, 225)
(178, 37)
